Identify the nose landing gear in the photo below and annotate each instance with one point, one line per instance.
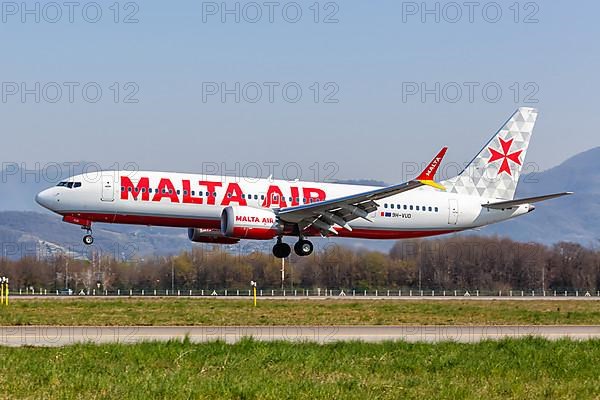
(88, 239)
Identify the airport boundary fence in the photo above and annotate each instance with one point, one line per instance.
(313, 293)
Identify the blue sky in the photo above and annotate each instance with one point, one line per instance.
(364, 63)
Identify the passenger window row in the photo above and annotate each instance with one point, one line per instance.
(170, 191)
(185, 193)
(411, 207)
(214, 194)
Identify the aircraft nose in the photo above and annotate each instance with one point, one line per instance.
(44, 198)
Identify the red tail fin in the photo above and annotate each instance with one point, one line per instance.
(430, 171)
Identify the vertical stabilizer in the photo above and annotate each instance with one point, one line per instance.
(494, 172)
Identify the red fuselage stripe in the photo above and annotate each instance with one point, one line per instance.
(204, 223)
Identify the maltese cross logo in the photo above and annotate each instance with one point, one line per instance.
(505, 156)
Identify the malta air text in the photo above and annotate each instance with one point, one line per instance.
(244, 218)
(233, 194)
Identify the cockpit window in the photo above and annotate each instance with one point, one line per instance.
(70, 185)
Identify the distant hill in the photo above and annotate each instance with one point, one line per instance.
(26, 233)
(574, 218)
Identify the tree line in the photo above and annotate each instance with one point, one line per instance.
(458, 262)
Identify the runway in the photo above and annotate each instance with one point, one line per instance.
(61, 336)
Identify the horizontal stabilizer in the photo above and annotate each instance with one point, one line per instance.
(517, 202)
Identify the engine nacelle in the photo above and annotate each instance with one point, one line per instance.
(209, 236)
(249, 223)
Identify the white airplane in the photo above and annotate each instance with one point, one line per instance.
(228, 209)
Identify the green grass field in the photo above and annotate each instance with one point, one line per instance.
(523, 369)
(184, 311)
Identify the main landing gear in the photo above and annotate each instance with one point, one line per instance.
(302, 248)
(88, 239)
(281, 249)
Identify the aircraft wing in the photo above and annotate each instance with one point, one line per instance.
(324, 215)
(517, 202)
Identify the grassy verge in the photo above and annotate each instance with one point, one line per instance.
(181, 311)
(527, 368)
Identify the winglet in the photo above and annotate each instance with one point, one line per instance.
(426, 177)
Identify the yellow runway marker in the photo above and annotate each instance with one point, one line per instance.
(254, 291)
(4, 291)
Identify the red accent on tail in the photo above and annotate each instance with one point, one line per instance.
(430, 171)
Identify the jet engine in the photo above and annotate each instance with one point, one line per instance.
(249, 223)
(209, 236)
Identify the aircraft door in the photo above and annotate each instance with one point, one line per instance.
(108, 186)
(453, 211)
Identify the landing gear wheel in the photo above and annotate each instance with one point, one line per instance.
(303, 248)
(282, 250)
(88, 240)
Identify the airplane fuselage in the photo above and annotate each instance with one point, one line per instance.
(197, 201)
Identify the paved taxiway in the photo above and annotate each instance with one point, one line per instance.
(60, 336)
